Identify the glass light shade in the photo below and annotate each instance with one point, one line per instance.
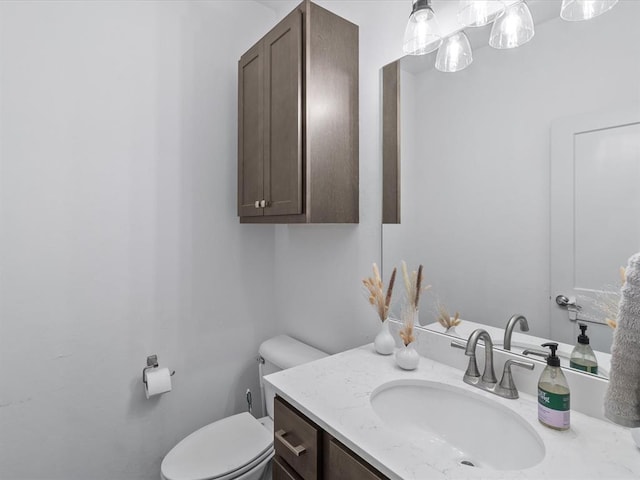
(578, 10)
(454, 54)
(422, 34)
(477, 13)
(513, 28)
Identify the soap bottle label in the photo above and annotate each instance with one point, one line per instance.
(553, 409)
(585, 368)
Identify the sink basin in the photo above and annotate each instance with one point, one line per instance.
(479, 431)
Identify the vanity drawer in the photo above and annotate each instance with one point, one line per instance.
(296, 440)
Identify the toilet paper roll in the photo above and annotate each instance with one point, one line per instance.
(158, 381)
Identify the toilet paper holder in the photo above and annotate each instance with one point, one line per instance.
(152, 362)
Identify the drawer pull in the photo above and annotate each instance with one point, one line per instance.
(297, 451)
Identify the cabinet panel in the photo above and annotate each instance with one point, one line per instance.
(332, 117)
(297, 440)
(283, 95)
(344, 465)
(250, 131)
(281, 471)
(391, 143)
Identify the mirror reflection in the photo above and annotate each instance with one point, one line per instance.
(519, 180)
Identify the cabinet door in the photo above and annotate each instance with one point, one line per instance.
(250, 131)
(343, 464)
(296, 440)
(281, 471)
(283, 117)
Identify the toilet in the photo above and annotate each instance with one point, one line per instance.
(239, 447)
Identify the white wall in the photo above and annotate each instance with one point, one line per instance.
(119, 236)
(476, 194)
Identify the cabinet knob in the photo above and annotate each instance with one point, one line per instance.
(257, 204)
(263, 203)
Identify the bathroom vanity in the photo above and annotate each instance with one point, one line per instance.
(427, 424)
(316, 453)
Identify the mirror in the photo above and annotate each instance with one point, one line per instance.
(486, 153)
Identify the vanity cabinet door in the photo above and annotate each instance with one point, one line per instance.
(282, 471)
(342, 464)
(296, 440)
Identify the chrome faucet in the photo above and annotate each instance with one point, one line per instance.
(524, 327)
(489, 375)
(506, 388)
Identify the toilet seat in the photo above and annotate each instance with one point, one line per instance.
(220, 451)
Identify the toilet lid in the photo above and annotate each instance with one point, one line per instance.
(217, 449)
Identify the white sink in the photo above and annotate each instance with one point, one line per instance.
(481, 432)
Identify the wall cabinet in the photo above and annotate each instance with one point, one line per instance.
(298, 122)
(305, 452)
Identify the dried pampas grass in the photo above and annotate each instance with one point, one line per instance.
(608, 303)
(406, 331)
(413, 285)
(379, 300)
(446, 320)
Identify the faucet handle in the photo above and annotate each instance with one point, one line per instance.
(540, 353)
(507, 388)
(472, 368)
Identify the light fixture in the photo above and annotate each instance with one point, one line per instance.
(422, 34)
(477, 13)
(454, 53)
(578, 10)
(513, 28)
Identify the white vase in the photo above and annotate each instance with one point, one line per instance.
(407, 358)
(384, 342)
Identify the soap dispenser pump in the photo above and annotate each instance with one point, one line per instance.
(553, 393)
(582, 356)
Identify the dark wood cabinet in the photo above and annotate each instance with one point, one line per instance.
(297, 440)
(391, 143)
(298, 122)
(305, 452)
(342, 464)
(282, 471)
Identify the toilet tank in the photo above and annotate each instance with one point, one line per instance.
(279, 353)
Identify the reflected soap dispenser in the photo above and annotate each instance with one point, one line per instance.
(582, 356)
(553, 393)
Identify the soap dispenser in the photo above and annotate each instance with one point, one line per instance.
(582, 356)
(553, 393)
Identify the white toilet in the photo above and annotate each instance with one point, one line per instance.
(239, 447)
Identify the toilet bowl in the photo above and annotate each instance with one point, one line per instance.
(239, 447)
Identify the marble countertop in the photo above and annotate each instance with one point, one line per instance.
(334, 392)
